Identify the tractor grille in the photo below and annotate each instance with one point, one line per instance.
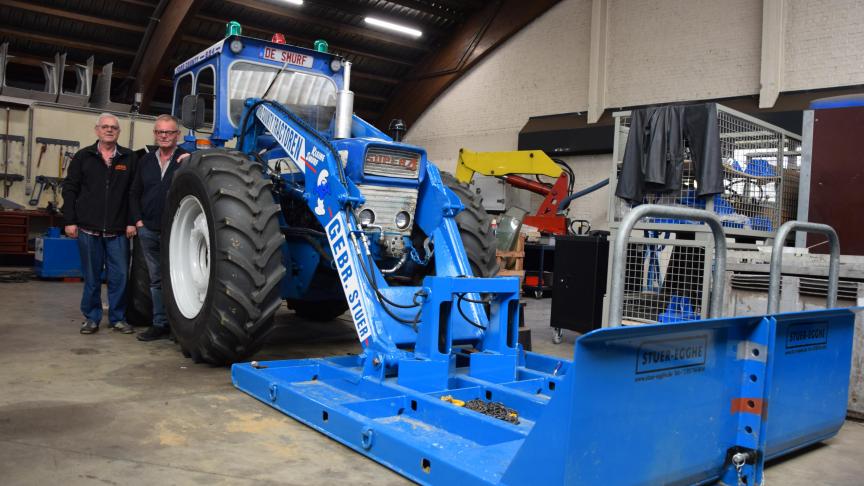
(392, 163)
(386, 201)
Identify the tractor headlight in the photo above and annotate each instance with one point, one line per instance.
(336, 65)
(236, 46)
(367, 217)
(403, 220)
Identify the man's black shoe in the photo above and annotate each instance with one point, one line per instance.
(154, 333)
(89, 327)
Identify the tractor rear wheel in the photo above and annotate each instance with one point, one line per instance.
(475, 227)
(139, 302)
(222, 263)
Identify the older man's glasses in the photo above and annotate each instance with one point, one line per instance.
(109, 127)
(165, 133)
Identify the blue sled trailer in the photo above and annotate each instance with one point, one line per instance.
(689, 403)
(696, 402)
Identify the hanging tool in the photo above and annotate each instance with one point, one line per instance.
(67, 149)
(62, 161)
(42, 182)
(41, 153)
(6, 182)
(67, 157)
(72, 144)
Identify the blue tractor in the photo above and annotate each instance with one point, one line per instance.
(247, 227)
(316, 207)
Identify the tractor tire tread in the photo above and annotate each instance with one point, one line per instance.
(475, 227)
(246, 266)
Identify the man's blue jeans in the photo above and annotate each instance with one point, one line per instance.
(150, 243)
(112, 254)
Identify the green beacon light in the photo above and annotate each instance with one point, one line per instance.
(233, 28)
(321, 45)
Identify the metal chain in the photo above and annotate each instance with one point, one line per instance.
(493, 409)
(738, 461)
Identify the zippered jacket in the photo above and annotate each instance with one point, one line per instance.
(96, 196)
(150, 189)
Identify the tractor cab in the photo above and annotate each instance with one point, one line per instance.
(215, 84)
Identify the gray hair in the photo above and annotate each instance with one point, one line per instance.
(167, 118)
(106, 115)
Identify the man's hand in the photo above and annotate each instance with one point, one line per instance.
(131, 231)
(71, 231)
(182, 158)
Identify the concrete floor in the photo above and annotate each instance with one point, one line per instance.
(107, 409)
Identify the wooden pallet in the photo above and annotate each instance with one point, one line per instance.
(516, 259)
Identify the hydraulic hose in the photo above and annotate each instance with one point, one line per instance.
(576, 195)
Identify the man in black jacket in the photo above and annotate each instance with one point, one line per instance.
(95, 207)
(147, 201)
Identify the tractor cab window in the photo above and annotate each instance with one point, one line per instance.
(311, 96)
(183, 87)
(205, 84)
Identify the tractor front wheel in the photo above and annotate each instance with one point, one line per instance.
(221, 266)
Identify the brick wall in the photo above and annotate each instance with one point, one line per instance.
(677, 50)
(824, 44)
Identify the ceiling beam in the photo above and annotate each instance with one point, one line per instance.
(263, 33)
(65, 14)
(295, 14)
(371, 97)
(481, 34)
(373, 77)
(428, 9)
(54, 41)
(140, 3)
(162, 44)
(465, 4)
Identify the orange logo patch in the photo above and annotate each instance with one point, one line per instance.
(120, 167)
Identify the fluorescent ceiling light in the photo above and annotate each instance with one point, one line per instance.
(391, 26)
(295, 2)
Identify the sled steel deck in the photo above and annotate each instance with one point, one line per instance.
(643, 405)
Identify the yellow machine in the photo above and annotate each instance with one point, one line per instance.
(506, 165)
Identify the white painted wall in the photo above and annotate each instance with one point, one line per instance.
(658, 51)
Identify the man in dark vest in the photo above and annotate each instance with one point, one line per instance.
(147, 201)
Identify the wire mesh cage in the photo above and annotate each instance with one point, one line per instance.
(761, 165)
(666, 279)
